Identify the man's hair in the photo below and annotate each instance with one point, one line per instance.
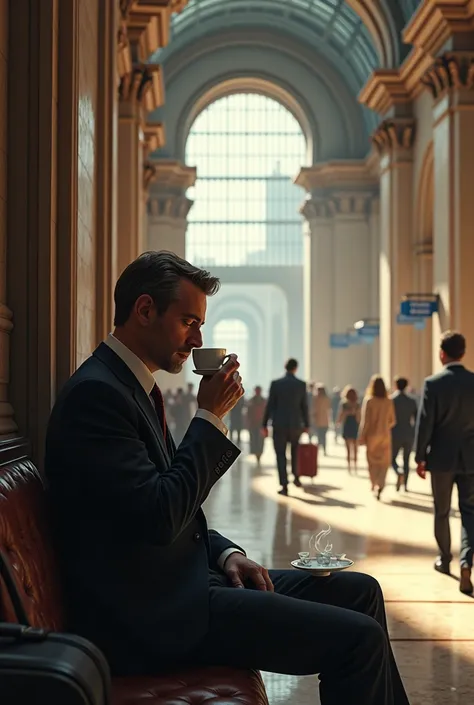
(157, 274)
(453, 344)
(401, 383)
(291, 365)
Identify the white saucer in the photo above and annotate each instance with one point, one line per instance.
(315, 568)
(206, 373)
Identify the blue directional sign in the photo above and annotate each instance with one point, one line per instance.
(419, 308)
(338, 340)
(418, 323)
(355, 338)
(370, 330)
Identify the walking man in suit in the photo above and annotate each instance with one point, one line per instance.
(145, 578)
(403, 433)
(287, 408)
(445, 448)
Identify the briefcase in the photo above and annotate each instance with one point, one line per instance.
(308, 459)
(38, 667)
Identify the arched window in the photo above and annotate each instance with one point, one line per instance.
(233, 334)
(247, 149)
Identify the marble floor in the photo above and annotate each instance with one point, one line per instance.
(430, 621)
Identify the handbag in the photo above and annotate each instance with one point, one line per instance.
(41, 667)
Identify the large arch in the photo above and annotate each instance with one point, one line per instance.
(374, 22)
(339, 126)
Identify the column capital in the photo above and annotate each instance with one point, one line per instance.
(169, 205)
(348, 174)
(435, 22)
(394, 136)
(316, 208)
(172, 175)
(142, 86)
(153, 137)
(453, 71)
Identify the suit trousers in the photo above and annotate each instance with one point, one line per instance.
(334, 626)
(406, 446)
(442, 484)
(281, 438)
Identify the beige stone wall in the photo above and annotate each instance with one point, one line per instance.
(86, 213)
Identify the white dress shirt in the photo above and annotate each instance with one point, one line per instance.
(147, 381)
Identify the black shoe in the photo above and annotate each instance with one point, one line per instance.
(297, 482)
(284, 491)
(442, 566)
(399, 482)
(379, 494)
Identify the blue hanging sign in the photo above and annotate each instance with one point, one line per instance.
(338, 340)
(370, 330)
(419, 308)
(355, 338)
(418, 323)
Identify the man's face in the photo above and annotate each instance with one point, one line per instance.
(170, 338)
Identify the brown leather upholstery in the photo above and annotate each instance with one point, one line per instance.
(213, 686)
(25, 541)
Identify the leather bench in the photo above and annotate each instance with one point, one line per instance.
(25, 542)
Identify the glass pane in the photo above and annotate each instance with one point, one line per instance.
(246, 148)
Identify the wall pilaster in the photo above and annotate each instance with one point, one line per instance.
(451, 82)
(393, 141)
(340, 232)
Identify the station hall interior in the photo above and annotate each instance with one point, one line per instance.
(317, 157)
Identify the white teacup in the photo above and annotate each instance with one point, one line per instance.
(209, 358)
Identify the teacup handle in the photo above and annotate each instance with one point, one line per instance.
(225, 360)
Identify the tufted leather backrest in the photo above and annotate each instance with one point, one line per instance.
(26, 544)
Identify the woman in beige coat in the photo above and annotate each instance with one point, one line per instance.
(375, 431)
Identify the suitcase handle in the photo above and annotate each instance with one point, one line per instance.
(21, 633)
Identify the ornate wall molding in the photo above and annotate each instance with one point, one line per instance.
(143, 86)
(350, 204)
(394, 136)
(450, 72)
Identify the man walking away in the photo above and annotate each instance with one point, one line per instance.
(445, 448)
(403, 433)
(287, 408)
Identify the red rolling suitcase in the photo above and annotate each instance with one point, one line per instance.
(308, 459)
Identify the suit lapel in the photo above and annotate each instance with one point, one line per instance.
(126, 376)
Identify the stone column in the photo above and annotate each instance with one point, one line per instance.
(394, 142)
(168, 205)
(167, 212)
(451, 82)
(423, 353)
(318, 289)
(351, 285)
(140, 91)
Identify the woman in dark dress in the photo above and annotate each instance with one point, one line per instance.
(349, 419)
(255, 412)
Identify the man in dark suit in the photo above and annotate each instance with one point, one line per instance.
(403, 433)
(287, 409)
(445, 448)
(144, 577)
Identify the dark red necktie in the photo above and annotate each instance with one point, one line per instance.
(159, 404)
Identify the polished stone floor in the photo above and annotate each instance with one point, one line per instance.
(431, 622)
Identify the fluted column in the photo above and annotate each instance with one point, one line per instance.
(451, 82)
(167, 213)
(352, 280)
(394, 142)
(318, 289)
(140, 90)
(168, 205)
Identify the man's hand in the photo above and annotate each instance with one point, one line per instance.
(221, 392)
(239, 568)
(264, 432)
(421, 470)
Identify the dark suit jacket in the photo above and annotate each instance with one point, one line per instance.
(445, 425)
(406, 410)
(135, 550)
(287, 405)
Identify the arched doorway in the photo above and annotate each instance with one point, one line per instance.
(245, 224)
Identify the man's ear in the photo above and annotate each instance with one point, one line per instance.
(144, 309)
